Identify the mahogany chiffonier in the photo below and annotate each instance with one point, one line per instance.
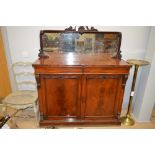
(80, 81)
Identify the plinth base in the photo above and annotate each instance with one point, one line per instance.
(127, 120)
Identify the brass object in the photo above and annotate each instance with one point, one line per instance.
(128, 120)
(138, 62)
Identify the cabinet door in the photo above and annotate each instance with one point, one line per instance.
(102, 96)
(61, 96)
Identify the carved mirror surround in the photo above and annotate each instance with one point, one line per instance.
(83, 40)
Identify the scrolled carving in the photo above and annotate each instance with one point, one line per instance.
(37, 76)
(42, 54)
(70, 29)
(118, 55)
(91, 28)
(125, 77)
(60, 77)
(118, 116)
(81, 29)
(41, 116)
(104, 77)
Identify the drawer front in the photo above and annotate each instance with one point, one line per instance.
(106, 70)
(58, 70)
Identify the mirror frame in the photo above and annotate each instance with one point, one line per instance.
(81, 30)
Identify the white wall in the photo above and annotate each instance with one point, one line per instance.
(145, 100)
(24, 44)
(26, 39)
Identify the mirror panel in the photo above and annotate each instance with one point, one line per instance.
(85, 42)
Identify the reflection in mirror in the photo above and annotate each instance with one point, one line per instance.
(88, 42)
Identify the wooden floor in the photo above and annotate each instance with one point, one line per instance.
(30, 123)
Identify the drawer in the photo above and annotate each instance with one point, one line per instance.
(58, 70)
(106, 70)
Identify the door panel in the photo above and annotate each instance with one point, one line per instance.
(62, 95)
(101, 95)
(5, 87)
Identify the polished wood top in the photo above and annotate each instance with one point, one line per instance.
(78, 59)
